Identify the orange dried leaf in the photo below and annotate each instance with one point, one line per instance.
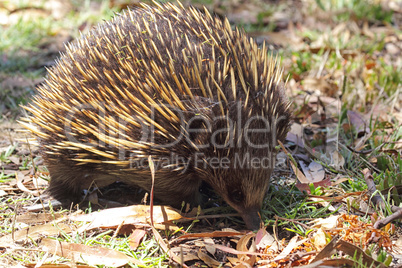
(135, 238)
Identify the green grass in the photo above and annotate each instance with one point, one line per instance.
(346, 10)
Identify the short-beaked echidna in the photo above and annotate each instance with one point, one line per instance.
(169, 82)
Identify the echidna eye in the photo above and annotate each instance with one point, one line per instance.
(236, 196)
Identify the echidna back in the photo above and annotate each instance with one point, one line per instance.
(161, 81)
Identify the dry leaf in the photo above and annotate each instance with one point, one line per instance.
(19, 176)
(242, 245)
(53, 265)
(321, 84)
(3, 193)
(300, 176)
(208, 260)
(34, 233)
(315, 172)
(358, 122)
(233, 261)
(138, 214)
(295, 135)
(31, 218)
(135, 238)
(321, 202)
(228, 233)
(264, 240)
(88, 254)
(337, 160)
(210, 245)
(286, 251)
(358, 253)
(319, 239)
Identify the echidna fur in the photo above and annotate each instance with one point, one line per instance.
(171, 82)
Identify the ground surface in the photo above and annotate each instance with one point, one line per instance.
(343, 63)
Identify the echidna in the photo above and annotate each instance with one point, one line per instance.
(173, 83)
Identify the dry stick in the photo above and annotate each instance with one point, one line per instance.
(30, 154)
(294, 221)
(151, 209)
(363, 159)
(35, 170)
(359, 152)
(14, 220)
(378, 201)
(151, 201)
(276, 231)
